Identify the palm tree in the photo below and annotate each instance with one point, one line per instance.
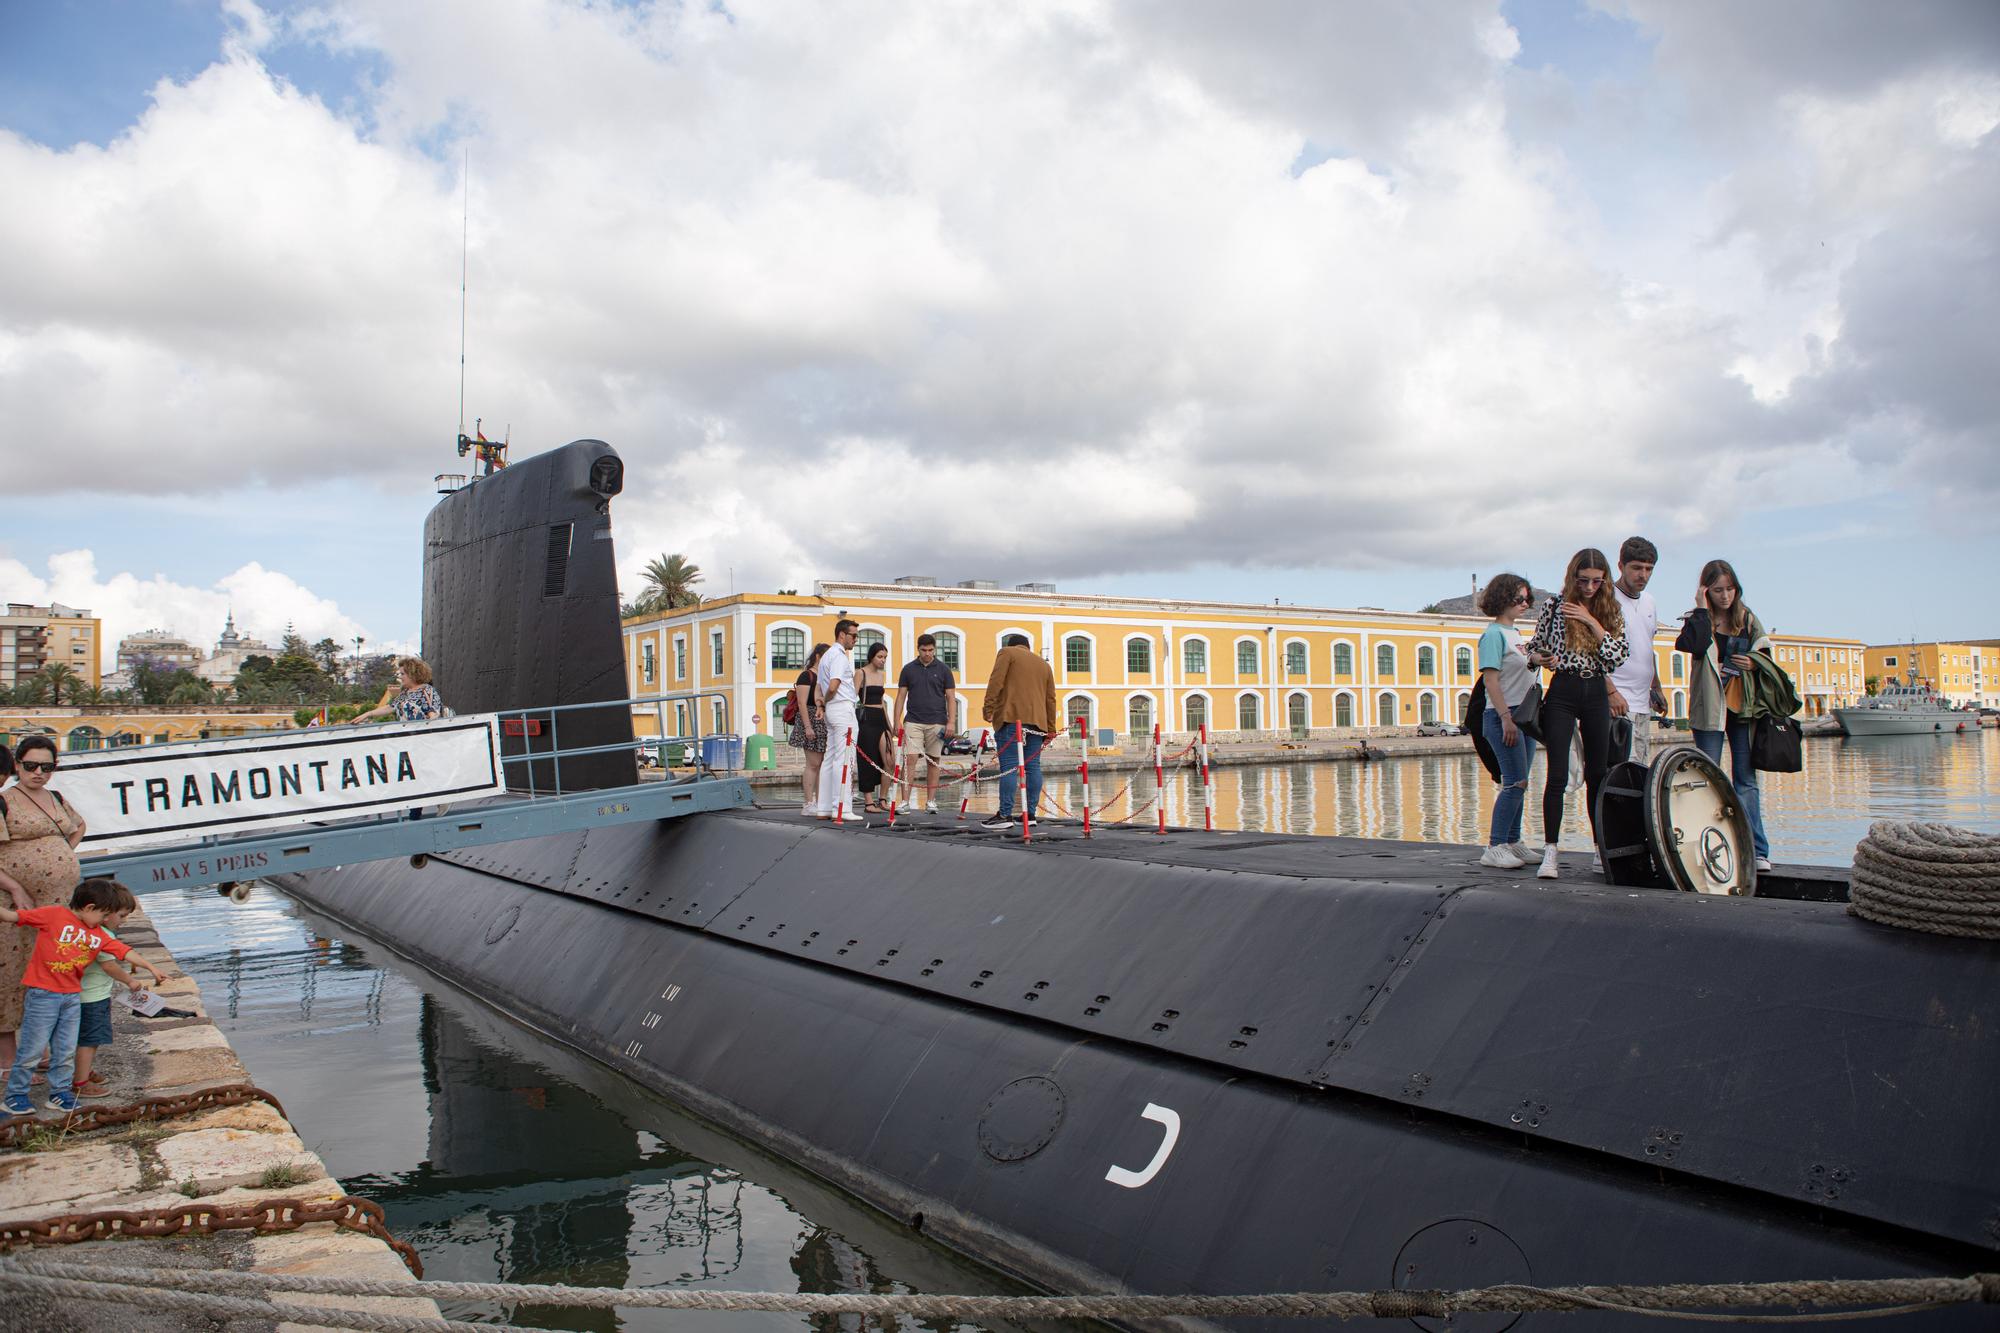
(670, 581)
(57, 677)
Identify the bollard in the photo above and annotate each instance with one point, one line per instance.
(1083, 768)
(840, 805)
(896, 787)
(1159, 781)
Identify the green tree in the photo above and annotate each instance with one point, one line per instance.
(191, 689)
(327, 653)
(1871, 684)
(293, 644)
(670, 581)
(59, 679)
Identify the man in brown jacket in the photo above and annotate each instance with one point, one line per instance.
(1021, 689)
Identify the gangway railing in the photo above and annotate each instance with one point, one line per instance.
(534, 806)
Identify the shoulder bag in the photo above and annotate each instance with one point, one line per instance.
(1776, 745)
(1527, 714)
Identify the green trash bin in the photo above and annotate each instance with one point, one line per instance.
(676, 753)
(759, 751)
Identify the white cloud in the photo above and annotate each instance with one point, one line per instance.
(263, 601)
(1017, 290)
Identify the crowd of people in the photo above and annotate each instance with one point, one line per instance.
(1595, 638)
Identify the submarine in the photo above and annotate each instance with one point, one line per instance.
(1206, 1062)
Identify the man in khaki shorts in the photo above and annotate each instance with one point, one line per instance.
(926, 704)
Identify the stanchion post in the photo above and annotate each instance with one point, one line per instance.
(1083, 767)
(840, 805)
(972, 778)
(1207, 785)
(1021, 776)
(896, 787)
(1159, 781)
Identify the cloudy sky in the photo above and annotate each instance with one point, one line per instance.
(1336, 303)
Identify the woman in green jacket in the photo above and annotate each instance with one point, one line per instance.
(1720, 634)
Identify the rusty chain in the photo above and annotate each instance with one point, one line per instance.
(264, 1217)
(86, 1118)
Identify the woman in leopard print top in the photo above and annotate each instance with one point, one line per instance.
(1581, 635)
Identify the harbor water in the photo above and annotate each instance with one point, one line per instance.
(502, 1155)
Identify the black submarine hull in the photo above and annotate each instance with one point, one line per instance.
(1213, 1062)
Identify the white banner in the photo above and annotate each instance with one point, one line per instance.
(145, 795)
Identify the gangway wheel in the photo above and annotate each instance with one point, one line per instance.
(1675, 825)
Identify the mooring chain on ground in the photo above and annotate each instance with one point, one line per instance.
(86, 1118)
(251, 1293)
(264, 1217)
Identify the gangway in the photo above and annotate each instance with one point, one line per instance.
(531, 809)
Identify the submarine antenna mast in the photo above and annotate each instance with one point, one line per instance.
(490, 455)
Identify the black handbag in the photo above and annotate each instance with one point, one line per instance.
(1528, 713)
(1776, 745)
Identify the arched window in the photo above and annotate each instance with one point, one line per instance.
(1463, 658)
(774, 718)
(1385, 659)
(1343, 659)
(1295, 658)
(83, 738)
(1197, 712)
(1246, 657)
(1427, 661)
(1385, 709)
(788, 650)
(1246, 710)
(864, 642)
(1076, 654)
(947, 646)
(1427, 708)
(1343, 710)
(1298, 714)
(1139, 715)
(1680, 665)
(1079, 707)
(1138, 655)
(1458, 705)
(1680, 704)
(1194, 657)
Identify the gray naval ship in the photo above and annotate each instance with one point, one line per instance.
(1203, 1062)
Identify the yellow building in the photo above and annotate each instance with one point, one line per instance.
(95, 726)
(1124, 663)
(1829, 673)
(1964, 673)
(33, 637)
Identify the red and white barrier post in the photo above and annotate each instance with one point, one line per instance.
(840, 804)
(1021, 776)
(1159, 780)
(972, 778)
(1207, 785)
(896, 789)
(1083, 770)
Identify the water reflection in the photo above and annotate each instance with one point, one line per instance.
(504, 1157)
(1815, 816)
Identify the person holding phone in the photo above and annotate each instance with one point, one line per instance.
(1719, 634)
(1581, 637)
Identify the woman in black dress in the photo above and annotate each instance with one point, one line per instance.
(873, 762)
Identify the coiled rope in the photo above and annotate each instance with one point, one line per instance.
(1930, 877)
(250, 1294)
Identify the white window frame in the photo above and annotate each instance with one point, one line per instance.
(1236, 658)
(1207, 655)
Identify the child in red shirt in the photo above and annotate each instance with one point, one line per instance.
(67, 940)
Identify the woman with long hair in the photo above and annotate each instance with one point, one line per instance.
(875, 747)
(1719, 635)
(1508, 677)
(1581, 637)
(809, 730)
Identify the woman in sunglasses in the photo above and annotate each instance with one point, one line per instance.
(38, 837)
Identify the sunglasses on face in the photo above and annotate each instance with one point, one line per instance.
(38, 766)
(1522, 600)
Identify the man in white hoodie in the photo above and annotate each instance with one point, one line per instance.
(1635, 685)
(835, 685)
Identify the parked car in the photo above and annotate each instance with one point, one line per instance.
(1439, 729)
(968, 742)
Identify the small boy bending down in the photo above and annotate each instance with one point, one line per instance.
(67, 940)
(93, 1028)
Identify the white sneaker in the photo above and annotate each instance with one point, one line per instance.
(1497, 857)
(1596, 864)
(1548, 870)
(1523, 854)
(1763, 863)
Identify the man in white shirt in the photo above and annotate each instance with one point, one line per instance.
(1635, 686)
(835, 685)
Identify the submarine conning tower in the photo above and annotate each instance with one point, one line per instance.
(518, 574)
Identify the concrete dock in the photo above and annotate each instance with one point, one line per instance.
(223, 1155)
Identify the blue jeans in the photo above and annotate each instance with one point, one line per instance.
(1741, 774)
(1003, 736)
(48, 1022)
(1515, 761)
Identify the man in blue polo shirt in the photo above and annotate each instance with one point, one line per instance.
(926, 705)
